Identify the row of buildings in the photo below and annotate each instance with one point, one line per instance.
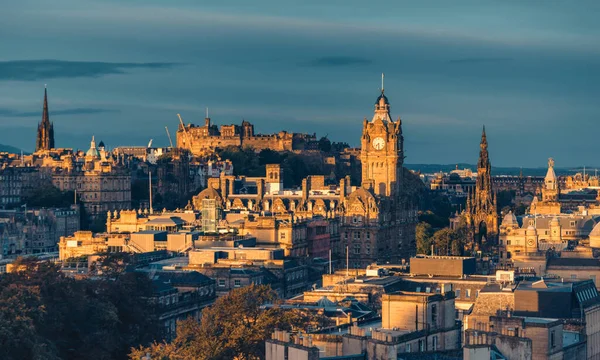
(439, 308)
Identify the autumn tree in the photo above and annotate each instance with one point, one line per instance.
(47, 315)
(235, 327)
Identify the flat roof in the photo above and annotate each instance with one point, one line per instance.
(536, 320)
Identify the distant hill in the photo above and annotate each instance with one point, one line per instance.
(9, 149)
(541, 171)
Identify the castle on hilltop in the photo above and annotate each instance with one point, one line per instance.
(206, 138)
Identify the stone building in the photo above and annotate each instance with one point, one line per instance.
(536, 234)
(376, 220)
(103, 184)
(203, 139)
(35, 231)
(482, 207)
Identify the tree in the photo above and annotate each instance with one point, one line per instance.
(46, 315)
(235, 327)
(48, 196)
(424, 234)
(443, 240)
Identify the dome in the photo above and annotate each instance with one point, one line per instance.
(554, 221)
(531, 230)
(381, 98)
(93, 151)
(509, 219)
(208, 193)
(595, 231)
(595, 236)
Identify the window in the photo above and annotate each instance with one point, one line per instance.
(434, 313)
(507, 242)
(421, 345)
(457, 292)
(552, 342)
(237, 283)
(434, 343)
(346, 235)
(368, 236)
(221, 282)
(573, 276)
(407, 348)
(282, 236)
(356, 235)
(357, 248)
(468, 293)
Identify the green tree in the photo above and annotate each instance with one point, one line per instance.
(48, 196)
(235, 327)
(424, 234)
(442, 240)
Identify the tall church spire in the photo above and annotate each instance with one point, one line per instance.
(45, 133)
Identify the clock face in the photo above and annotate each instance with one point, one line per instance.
(378, 143)
(530, 242)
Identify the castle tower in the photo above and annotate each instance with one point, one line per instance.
(482, 215)
(45, 132)
(382, 150)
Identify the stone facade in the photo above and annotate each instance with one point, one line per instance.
(103, 183)
(376, 221)
(35, 231)
(203, 139)
(482, 207)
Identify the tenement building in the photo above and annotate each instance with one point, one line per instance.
(206, 138)
(376, 220)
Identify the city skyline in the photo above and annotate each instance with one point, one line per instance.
(129, 72)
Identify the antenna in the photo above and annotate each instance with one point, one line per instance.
(207, 112)
(150, 190)
(382, 82)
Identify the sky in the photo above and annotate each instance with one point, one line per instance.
(122, 71)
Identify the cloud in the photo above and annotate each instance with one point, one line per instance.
(480, 60)
(74, 111)
(32, 70)
(338, 61)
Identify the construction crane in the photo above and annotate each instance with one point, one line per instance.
(187, 135)
(169, 135)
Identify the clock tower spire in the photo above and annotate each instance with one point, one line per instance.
(382, 149)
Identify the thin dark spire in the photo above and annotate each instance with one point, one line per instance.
(45, 134)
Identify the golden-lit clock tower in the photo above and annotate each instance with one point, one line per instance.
(382, 150)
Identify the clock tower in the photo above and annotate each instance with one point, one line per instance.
(382, 150)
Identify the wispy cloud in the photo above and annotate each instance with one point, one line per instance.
(74, 111)
(479, 60)
(33, 70)
(338, 61)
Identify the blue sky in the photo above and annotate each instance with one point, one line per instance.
(122, 70)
